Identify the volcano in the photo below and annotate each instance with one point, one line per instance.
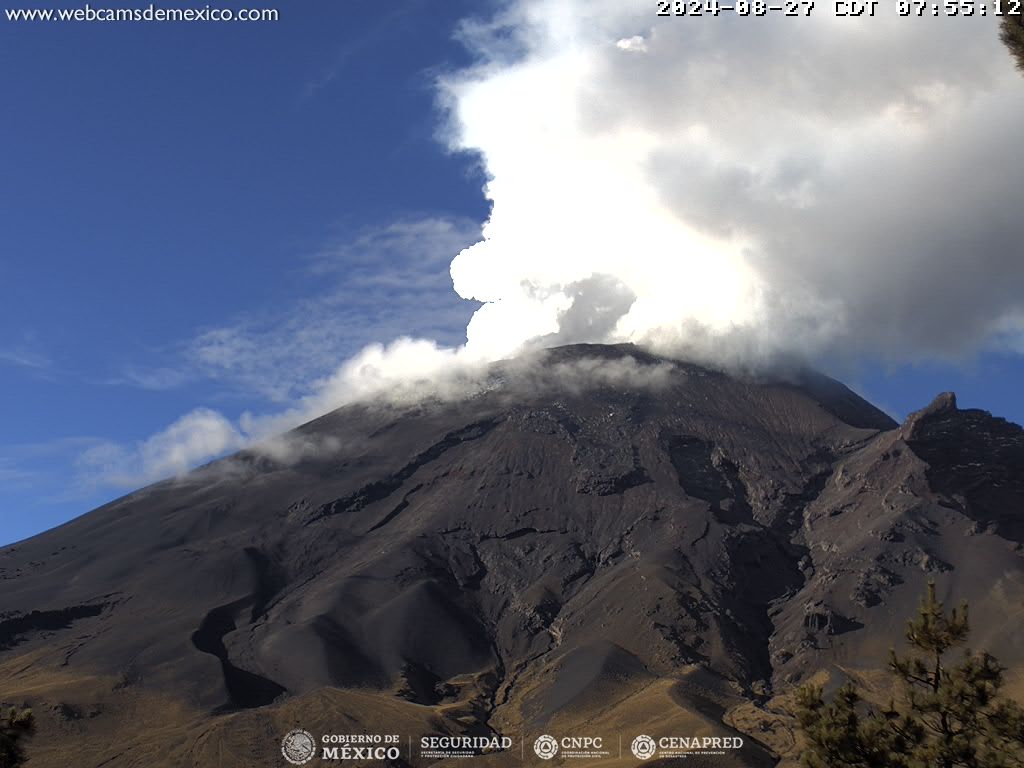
(600, 543)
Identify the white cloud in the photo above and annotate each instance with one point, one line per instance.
(634, 43)
(196, 437)
(153, 379)
(383, 283)
(372, 287)
(784, 184)
(401, 372)
(377, 286)
(397, 375)
(25, 354)
(13, 474)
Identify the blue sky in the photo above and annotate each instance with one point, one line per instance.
(214, 216)
(161, 181)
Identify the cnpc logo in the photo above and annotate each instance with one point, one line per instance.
(546, 747)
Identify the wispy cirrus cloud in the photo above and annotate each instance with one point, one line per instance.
(12, 474)
(26, 354)
(384, 283)
(46, 468)
(154, 379)
(383, 26)
(380, 284)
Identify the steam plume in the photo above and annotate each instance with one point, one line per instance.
(757, 185)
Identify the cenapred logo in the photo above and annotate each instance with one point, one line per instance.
(546, 747)
(643, 747)
(298, 746)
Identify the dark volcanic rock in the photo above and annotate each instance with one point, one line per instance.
(975, 460)
(551, 544)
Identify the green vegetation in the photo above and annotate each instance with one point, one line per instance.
(16, 725)
(1012, 34)
(949, 715)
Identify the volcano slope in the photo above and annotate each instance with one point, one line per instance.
(600, 542)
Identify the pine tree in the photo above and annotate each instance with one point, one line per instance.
(949, 715)
(1012, 34)
(844, 734)
(16, 725)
